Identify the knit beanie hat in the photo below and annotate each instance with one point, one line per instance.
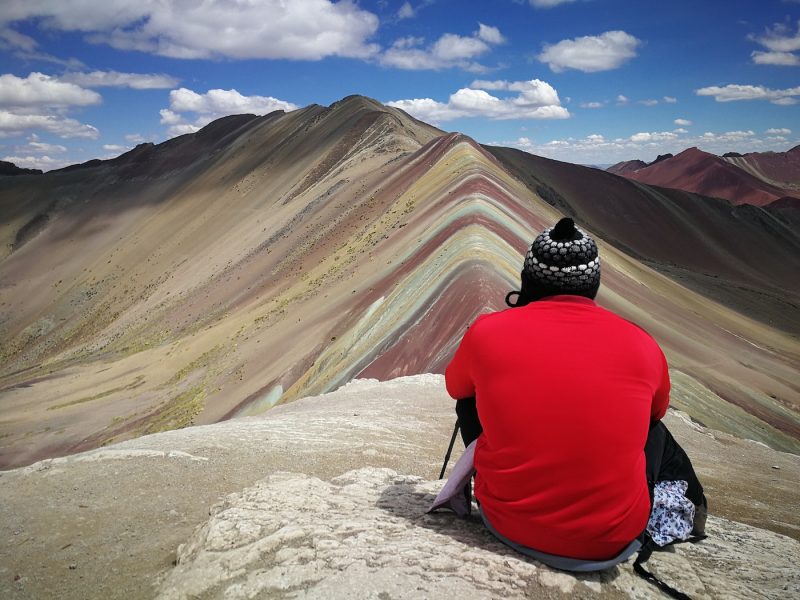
(561, 260)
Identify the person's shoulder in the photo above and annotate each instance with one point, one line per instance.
(629, 325)
(491, 318)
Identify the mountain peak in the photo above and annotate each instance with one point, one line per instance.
(9, 168)
(358, 101)
(662, 157)
(694, 151)
(626, 166)
(757, 178)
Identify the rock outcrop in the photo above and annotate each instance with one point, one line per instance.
(365, 534)
(326, 497)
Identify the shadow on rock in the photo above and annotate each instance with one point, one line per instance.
(411, 501)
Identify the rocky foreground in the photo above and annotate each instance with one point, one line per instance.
(326, 498)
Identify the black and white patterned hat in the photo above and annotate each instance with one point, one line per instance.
(563, 260)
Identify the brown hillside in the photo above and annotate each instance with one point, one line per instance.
(702, 173)
(268, 258)
(723, 251)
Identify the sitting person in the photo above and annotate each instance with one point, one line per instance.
(565, 399)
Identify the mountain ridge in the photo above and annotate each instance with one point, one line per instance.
(10, 169)
(753, 178)
(299, 250)
(723, 243)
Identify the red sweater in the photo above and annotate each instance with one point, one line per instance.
(565, 392)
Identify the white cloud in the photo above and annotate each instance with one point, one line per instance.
(16, 124)
(427, 109)
(680, 130)
(169, 118)
(451, 47)
(45, 163)
(490, 34)
(225, 102)
(670, 100)
(501, 84)
(548, 3)
(779, 38)
(622, 99)
(408, 42)
(116, 148)
(184, 128)
(13, 39)
(533, 92)
(449, 51)
(26, 48)
(213, 105)
(734, 92)
(68, 63)
(784, 59)
(136, 81)
(39, 90)
(39, 102)
(36, 146)
(778, 131)
(406, 11)
(729, 136)
(135, 138)
(682, 122)
(599, 149)
(780, 43)
(649, 102)
(535, 100)
(298, 30)
(602, 52)
(592, 105)
(655, 136)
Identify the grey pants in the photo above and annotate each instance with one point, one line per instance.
(566, 563)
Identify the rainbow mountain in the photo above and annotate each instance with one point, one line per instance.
(264, 259)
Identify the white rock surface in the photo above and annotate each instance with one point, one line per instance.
(365, 534)
(325, 498)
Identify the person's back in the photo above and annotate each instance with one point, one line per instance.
(559, 403)
(566, 393)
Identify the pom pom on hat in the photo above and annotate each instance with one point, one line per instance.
(561, 260)
(564, 230)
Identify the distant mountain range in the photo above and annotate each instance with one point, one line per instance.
(263, 259)
(758, 178)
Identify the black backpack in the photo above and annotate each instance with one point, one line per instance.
(647, 549)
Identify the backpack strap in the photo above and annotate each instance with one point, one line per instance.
(644, 555)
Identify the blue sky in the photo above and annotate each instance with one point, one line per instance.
(587, 81)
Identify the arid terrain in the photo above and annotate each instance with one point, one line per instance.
(326, 498)
(264, 259)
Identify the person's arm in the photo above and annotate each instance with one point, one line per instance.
(461, 387)
(457, 375)
(661, 397)
(468, 420)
